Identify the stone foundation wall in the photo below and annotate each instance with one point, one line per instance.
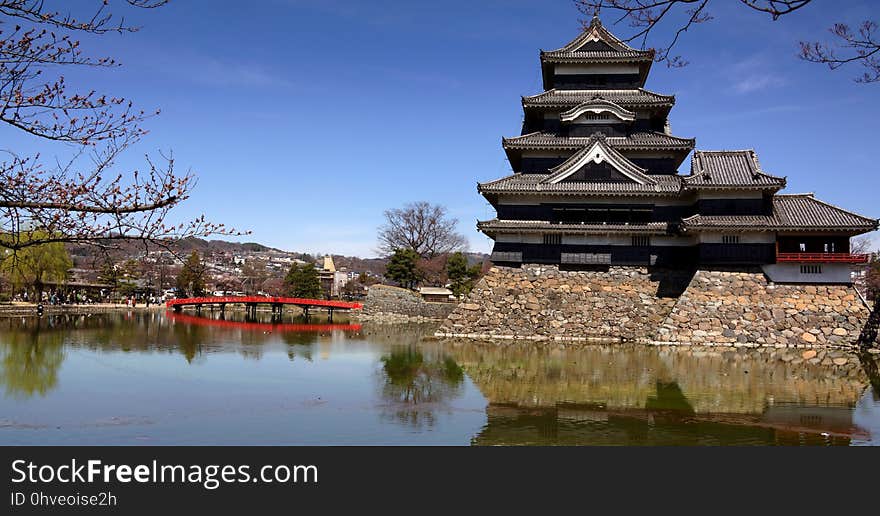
(397, 305)
(538, 301)
(719, 308)
(722, 307)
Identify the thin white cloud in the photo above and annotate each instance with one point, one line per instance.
(217, 72)
(211, 71)
(754, 74)
(757, 82)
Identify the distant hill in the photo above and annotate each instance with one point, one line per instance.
(87, 256)
(189, 245)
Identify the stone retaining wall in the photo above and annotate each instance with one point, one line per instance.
(24, 310)
(720, 308)
(386, 304)
(538, 301)
(724, 307)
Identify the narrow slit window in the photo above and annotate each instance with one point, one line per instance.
(811, 269)
(730, 239)
(641, 241)
(552, 239)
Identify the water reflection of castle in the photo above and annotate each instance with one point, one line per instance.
(593, 395)
(654, 396)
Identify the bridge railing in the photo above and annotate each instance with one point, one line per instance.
(260, 300)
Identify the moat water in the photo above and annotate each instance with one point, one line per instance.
(164, 379)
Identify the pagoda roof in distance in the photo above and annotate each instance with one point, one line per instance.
(627, 98)
(729, 168)
(638, 141)
(494, 226)
(642, 140)
(791, 212)
(666, 184)
(597, 44)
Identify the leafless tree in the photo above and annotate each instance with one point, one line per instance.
(859, 46)
(422, 227)
(83, 199)
(861, 245)
(850, 46)
(865, 272)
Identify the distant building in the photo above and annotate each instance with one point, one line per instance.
(437, 295)
(595, 183)
(332, 280)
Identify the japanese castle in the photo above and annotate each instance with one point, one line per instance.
(595, 183)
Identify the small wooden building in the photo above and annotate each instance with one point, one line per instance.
(437, 295)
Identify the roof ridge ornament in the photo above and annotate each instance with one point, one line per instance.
(598, 105)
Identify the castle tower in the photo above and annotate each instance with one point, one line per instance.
(595, 182)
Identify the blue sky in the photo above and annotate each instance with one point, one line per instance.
(305, 120)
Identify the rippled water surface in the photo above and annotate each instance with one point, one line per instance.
(154, 378)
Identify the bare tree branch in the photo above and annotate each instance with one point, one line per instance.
(84, 200)
(857, 46)
(861, 46)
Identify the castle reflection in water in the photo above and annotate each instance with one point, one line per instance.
(531, 394)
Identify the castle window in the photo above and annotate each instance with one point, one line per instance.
(552, 239)
(641, 241)
(811, 269)
(730, 239)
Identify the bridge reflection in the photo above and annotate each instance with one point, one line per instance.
(257, 326)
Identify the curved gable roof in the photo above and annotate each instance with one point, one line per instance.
(597, 151)
(597, 105)
(611, 46)
(729, 168)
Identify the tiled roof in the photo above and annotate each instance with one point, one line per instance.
(534, 183)
(615, 49)
(435, 291)
(501, 226)
(603, 56)
(719, 169)
(625, 97)
(650, 140)
(790, 212)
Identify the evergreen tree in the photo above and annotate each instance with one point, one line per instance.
(303, 282)
(367, 280)
(191, 280)
(460, 275)
(403, 268)
(128, 275)
(109, 275)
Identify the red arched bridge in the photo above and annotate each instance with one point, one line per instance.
(252, 302)
(262, 327)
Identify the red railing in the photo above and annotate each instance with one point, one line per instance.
(821, 258)
(195, 301)
(261, 327)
